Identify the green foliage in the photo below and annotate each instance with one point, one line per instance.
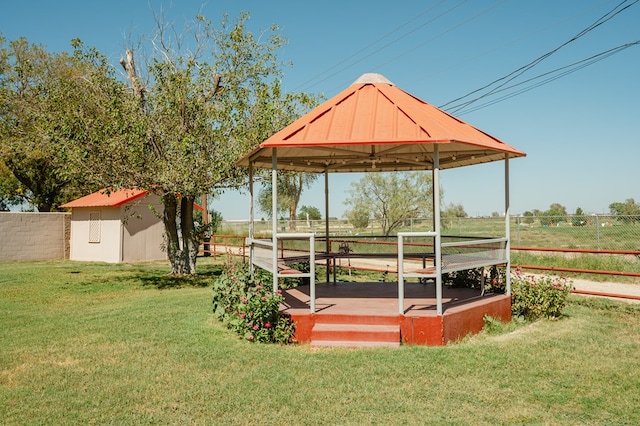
(203, 230)
(473, 278)
(207, 95)
(241, 300)
(358, 217)
(579, 218)
(215, 220)
(528, 217)
(494, 326)
(454, 210)
(10, 188)
(48, 106)
(629, 211)
(290, 187)
(557, 213)
(391, 198)
(534, 297)
(468, 278)
(312, 212)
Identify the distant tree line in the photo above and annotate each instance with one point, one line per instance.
(628, 211)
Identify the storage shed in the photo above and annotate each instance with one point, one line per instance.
(117, 226)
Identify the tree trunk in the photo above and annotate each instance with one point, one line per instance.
(189, 240)
(292, 218)
(295, 192)
(182, 247)
(171, 230)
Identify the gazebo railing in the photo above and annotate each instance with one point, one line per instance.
(463, 254)
(264, 254)
(402, 274)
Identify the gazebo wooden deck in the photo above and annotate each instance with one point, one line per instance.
(366, 314)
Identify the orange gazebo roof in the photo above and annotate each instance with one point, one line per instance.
(375, 126)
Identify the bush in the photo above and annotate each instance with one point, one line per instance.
(242, 301)
(534, 297)
(473, 278)
(467, 278)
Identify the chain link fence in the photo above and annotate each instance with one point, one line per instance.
(559, 243)
(590, 232)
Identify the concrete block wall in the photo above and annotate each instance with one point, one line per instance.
(34, 236)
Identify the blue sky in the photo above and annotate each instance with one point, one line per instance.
(580, 132)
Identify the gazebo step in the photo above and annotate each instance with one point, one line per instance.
(354, 344)
(358, 319)
(355, 335)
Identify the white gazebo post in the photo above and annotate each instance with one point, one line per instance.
(274, 217)
(507, 225)
(436, 227)
(326, 220)
(251, 218)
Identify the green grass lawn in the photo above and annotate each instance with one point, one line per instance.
(123, 344)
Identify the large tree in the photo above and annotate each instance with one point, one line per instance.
(629, 211)
(310, 213)
(290, 187)
(391, 198)
(39, 91)
(199, 107)
(556, 213)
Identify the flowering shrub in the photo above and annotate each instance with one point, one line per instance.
(257, 317)
(534, 297)
(242, 301)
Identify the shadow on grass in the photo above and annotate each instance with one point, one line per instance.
(204, 278)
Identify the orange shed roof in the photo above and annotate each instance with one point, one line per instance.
(103, 198)
(375, 125)
(116, 198)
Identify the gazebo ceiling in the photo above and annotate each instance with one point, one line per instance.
(375, 126)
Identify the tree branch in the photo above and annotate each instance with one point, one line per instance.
(130, 68)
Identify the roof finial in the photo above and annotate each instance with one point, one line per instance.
(370, 78)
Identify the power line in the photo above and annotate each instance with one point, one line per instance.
(568, 69)
(477, 15)
(518, 72)
(406, 34)
(424, 12)
(448, 30)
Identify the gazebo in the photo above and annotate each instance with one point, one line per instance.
(374, 126)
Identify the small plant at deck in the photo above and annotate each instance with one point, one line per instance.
(257, 318)
(534, 297)
(244, 303)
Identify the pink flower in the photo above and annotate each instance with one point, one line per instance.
(267, 325)
(244, 300)
(259, 287)
(250, 337)
(264, 299)
(255, 327)
(242, 315)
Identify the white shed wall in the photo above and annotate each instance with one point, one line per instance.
(109, 246)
